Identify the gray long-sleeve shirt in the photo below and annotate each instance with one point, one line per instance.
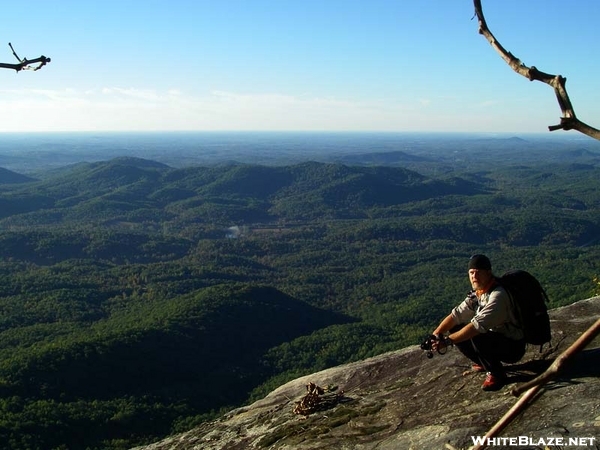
(492, 311)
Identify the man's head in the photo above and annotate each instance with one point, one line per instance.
(480, 271)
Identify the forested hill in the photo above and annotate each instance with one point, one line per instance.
(135, 189)
(138, 299)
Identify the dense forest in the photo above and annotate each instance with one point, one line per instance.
(138, 299)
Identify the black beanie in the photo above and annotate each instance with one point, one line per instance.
(480, 262)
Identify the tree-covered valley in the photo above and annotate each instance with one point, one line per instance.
(138, 299)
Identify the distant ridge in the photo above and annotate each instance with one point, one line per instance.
(137, 162)
(502, 139)
(581, 153)
(382, 158)
(42, 152)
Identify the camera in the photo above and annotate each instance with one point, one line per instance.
(427, 345)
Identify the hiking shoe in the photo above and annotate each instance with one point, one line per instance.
(477, 368)
(493, 382)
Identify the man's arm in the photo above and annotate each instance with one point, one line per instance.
(445, 325)
(464, 334)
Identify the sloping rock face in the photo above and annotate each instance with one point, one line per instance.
(402, 400)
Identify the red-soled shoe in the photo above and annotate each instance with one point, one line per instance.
(493, 382)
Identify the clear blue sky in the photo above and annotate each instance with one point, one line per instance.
(368, 65)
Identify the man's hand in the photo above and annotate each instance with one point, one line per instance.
(441, 343)
(437, 344)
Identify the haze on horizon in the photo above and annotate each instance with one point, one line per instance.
(260, 65)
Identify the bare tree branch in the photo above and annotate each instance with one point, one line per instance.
(25, 63)
(569, 120)
(588, 336)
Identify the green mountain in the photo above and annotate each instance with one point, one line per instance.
(128, 187)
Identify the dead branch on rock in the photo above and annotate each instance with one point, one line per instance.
(317, 399)
(569, 120)
(24, 63)
(560, 362)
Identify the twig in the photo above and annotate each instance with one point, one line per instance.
(25, 63)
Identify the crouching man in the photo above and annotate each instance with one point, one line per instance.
(484, 327)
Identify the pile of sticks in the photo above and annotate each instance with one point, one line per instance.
(317, 399)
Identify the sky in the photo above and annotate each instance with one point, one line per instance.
(294, 65)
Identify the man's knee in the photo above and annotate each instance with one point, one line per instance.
(497, 346)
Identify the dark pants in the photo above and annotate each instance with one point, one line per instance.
(491, 349)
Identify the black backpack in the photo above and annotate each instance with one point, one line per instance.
(529, 299)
